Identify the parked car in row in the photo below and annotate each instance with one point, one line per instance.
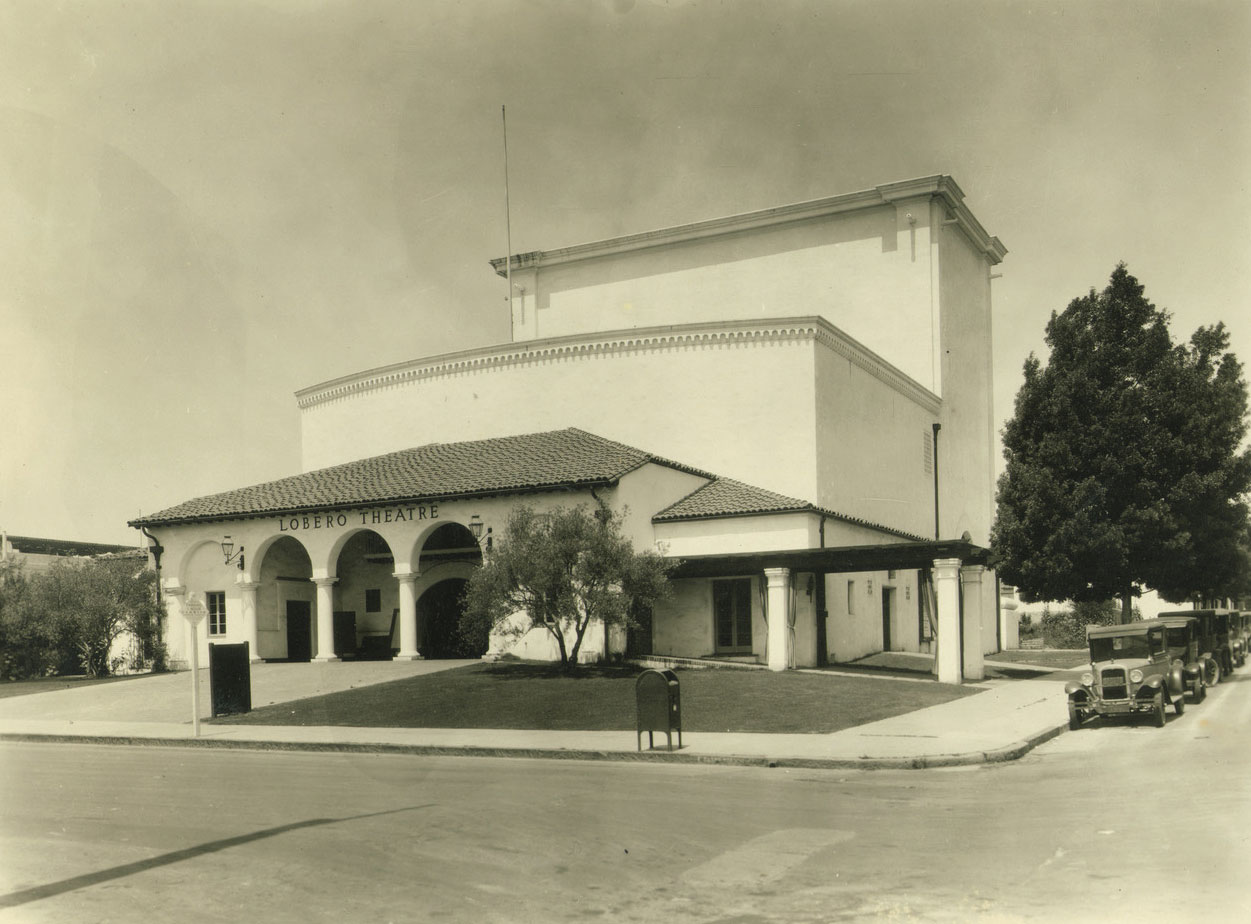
(1141, 667)
(1216, 640)
(1181, 638)
(1131, 673)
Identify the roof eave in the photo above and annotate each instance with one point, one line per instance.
(157, 520)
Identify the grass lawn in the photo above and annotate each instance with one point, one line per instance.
(48, 684)
(1058, 658)
(601, 698)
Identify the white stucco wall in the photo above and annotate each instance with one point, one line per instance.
(736, 402)
(866, 272)
(870, 441)
(856, 632)
(683, 624)
(967, 442)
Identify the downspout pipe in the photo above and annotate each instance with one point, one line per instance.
(820, 604)
(937, 532)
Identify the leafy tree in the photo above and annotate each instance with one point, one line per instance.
(562, 572)
(26, 642)
(84, 605)
(1124, 467)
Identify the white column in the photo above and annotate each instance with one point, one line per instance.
(777, 600)
(947, 601)
(408, 617)
(971, 583)
(248, 590)
(325, 619)
(174, 622)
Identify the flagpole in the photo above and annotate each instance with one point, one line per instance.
(508, 228)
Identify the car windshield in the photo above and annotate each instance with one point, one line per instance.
(1178, 636)
(1119, 647)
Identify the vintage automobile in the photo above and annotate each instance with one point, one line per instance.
(1130, 673)
(1238, 641)
(1181, 638)
(1214, 641)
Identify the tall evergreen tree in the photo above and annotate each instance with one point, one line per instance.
(1125, 468)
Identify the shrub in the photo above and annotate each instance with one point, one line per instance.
(1066, 628)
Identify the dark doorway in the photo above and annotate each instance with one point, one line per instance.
(639, 635)
(438, 612)
(888, 599)
(731, 607)
(299, 630)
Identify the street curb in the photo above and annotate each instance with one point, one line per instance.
(1013, 751)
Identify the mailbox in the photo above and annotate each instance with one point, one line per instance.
(230, 679)
(659, 706)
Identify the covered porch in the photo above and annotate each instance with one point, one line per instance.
(955, 589)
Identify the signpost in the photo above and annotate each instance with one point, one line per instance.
(194, 612)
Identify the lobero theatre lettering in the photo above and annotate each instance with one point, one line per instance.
(335, 519)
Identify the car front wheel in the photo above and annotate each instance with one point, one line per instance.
(1075, 718)
(1158, 712)
(1211, 672)
(1179, 705)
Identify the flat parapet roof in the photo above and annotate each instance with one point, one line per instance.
(938, 186)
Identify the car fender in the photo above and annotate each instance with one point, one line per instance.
(1176, 682)
(1076, 690)
(1149, 688)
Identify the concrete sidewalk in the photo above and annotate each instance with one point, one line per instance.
(1001, 723)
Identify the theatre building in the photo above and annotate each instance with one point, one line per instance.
(793, 405)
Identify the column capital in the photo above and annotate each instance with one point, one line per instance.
(776, 576)
(175, 590)
(406, 577)
(325, 581)
(948, 566)
(972, 574)
(249, 585)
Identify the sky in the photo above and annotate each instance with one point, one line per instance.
(206, 205)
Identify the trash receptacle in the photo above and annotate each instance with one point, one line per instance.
(659, 706)
(230, 679)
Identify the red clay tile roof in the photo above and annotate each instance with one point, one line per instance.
(725, 497)
(559, 458)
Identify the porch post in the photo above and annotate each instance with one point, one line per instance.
(408, 616)
(777, 604)
(971, 584)
(249, 589)
(947, 599)
(325, 619)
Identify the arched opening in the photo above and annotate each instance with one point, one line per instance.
(367, 603)
(438, 613)
(285, 615)
(450, 542)
(450, 550)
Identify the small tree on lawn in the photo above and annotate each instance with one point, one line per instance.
(562, 572)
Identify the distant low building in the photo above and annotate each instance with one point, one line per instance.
(38, 555)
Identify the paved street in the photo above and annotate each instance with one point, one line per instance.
(1112, 823)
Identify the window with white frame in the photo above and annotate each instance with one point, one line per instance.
(215, 601)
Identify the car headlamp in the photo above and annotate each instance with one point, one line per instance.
(1135, 676)
(1088, 678)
